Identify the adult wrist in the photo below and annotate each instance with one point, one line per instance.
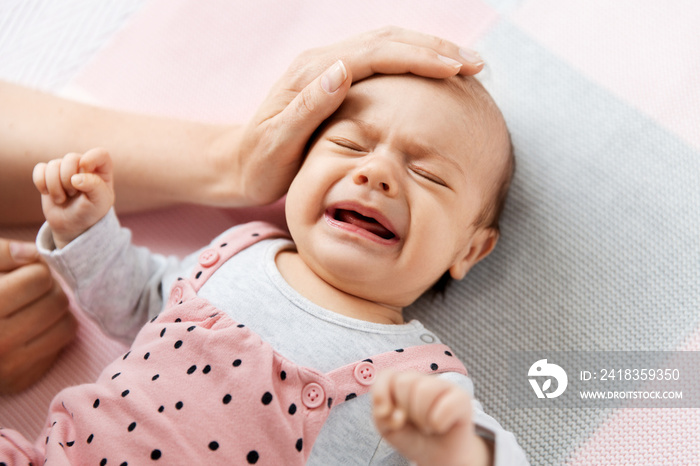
(226, 177)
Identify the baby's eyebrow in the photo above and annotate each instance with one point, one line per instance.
(414, 147)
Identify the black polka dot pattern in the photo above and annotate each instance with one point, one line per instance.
(252, 457)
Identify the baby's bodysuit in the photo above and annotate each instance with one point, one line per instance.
(123, 287)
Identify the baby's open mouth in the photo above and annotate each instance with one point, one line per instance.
(366, 223)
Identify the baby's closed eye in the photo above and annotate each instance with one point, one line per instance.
(347, 144)
(428, 175)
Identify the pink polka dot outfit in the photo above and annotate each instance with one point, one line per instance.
(198, 387)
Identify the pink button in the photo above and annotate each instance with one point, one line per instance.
(364, 373)
(208, 257)
(176, 294)
(312, 395)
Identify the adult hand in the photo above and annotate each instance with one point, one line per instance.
(269, 149)
(35, 323)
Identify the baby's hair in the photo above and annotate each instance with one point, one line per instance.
(476, 97)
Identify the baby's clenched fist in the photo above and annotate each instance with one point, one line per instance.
(427, 419)
(76, 192)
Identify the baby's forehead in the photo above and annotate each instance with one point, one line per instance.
(474, 106)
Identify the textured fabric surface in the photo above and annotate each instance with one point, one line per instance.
(600, 247)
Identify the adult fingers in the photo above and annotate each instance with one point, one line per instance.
(32, 320)
(13, 382)
(22, 286)
(389, 50)
(26, 364)
(416, 53)
(14, 254)
(391, 34)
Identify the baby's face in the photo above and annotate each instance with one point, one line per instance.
(387, 198)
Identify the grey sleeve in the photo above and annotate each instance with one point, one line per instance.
(507, 452)
(120, 285)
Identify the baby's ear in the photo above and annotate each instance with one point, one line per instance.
(481, 245)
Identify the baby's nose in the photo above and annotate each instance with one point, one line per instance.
(379, 172)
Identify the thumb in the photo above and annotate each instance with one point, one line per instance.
(316, 102)
(14, 254)
(93, 186)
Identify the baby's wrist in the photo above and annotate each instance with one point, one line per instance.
(61, 240)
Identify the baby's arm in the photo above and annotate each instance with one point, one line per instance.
(428, 420)
(76, 192)
(118, 283)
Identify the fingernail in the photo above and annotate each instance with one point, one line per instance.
(22, 252)
(77, 180)
(471, 56)
(334, 77)
(450, 61)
